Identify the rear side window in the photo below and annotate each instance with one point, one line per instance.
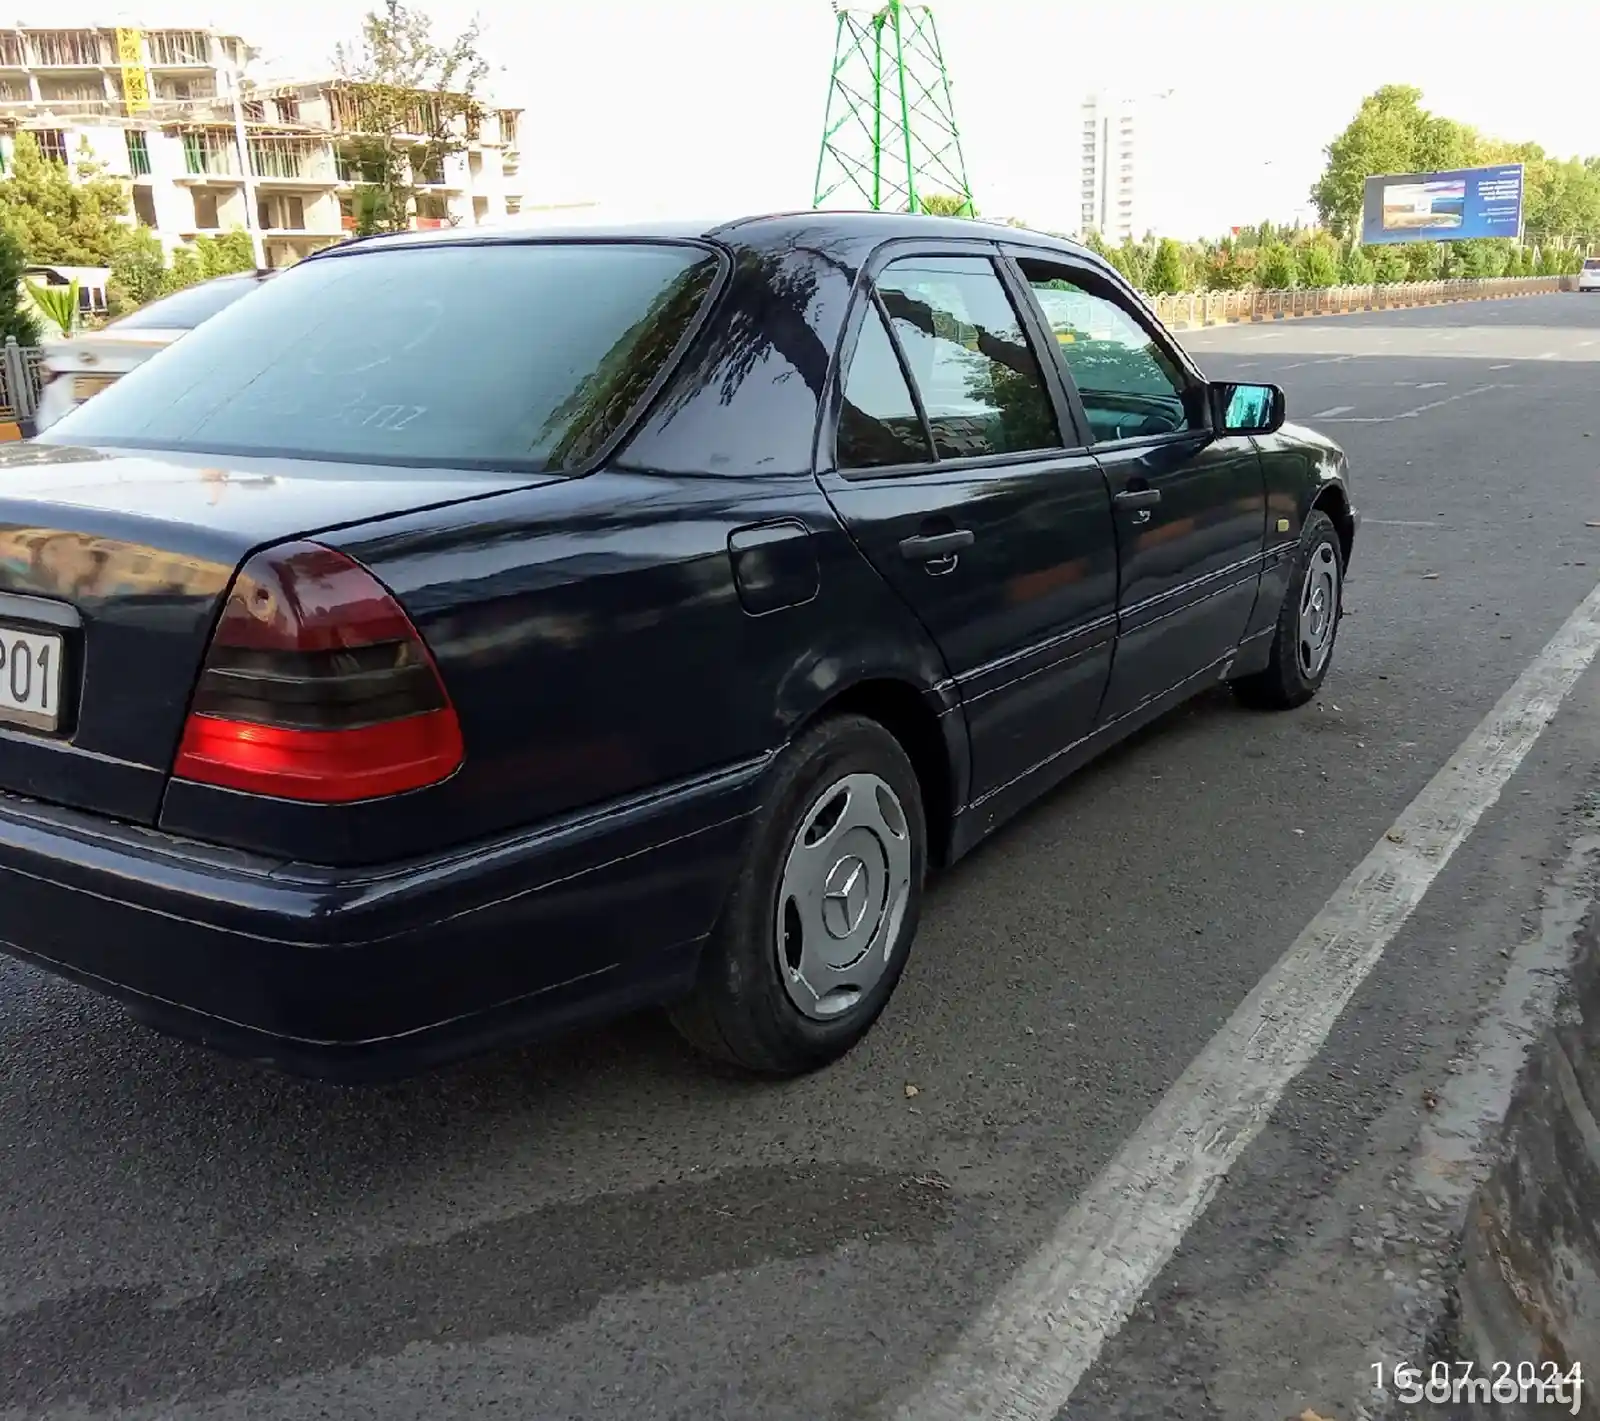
(524, 356)
(979, 379)
(186, 309)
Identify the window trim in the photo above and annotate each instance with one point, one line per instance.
(865, 293)
(1090, 275)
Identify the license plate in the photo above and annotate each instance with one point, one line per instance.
(30, 678)
(85, 385)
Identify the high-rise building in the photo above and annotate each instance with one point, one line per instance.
(205, 151)
(1108, 168)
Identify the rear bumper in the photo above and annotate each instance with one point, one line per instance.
(368, 974)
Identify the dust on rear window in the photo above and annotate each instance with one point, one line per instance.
(520, 356)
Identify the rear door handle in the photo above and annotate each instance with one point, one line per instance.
(1138, 498)
(928, 546)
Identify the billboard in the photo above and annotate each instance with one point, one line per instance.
(1443, 207)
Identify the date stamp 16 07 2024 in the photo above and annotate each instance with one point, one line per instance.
(1463, 1383)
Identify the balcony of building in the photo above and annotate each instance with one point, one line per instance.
(289, 160)
(210, 155)
(175, 90)
(67, 49)
(178, 49)
(13, 53)
(70, 91)
(286, 248)
(289, 214)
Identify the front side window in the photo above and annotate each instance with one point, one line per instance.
(980, 382)
(517, 356)
(1130, 386)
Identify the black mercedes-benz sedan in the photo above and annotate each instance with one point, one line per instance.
(467, 635)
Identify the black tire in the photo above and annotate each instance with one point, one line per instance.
(740, 1011)
(1285, 683)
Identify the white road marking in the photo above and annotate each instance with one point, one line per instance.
(1582, 344)
(1548, 355)
(1329, 413)
(1433, 384)
(1420, 409)
(1505, 366)
(1025, 1355)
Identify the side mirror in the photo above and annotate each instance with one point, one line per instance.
(1247, 409)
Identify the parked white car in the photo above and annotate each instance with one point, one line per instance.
(1589, 276)
(76, 368)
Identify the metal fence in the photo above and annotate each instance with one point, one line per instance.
(1210, 308)
(20, 365)
(20, 380)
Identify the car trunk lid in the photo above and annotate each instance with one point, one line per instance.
(112, 572)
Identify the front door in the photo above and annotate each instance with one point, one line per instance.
(951, 472)
(1190, 507)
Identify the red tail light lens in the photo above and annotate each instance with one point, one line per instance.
(317, 687)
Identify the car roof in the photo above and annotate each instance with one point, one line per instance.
(848, 233)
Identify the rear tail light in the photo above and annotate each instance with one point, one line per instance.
(317, 687)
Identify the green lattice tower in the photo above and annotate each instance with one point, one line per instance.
(889, 135)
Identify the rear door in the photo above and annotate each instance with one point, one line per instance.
(1190, 507)
(955, 465)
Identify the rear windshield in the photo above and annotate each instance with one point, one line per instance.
(519, 356)
(184, 310)
(1592, 264)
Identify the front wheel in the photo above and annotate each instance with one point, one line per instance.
(819, 923)
(1308, 623)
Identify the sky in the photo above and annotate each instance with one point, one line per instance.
(716, 106)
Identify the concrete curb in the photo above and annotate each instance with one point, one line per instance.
(1529, 1289)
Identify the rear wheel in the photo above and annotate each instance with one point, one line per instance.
(816, 931)
(1308, 623)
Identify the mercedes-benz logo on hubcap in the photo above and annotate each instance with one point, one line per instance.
(844, 896)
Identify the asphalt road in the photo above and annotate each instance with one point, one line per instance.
(605, 1229)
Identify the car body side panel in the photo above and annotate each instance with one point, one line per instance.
(593, 639)
(1300, 467)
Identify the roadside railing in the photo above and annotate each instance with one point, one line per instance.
(21, 379)
(1215, 308)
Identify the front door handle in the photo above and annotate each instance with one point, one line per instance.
(927, 547)
(1138, 498)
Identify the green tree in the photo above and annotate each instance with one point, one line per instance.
(18, 320)
(1319, 264)
(58, 216)
(947, 204)
(1358, 269)
(57, 305)
(1168, 274)
(1391, 266)
(1278, 270)
(1424, 261)
(1391, 133)
(138, 269)
(414, 101)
